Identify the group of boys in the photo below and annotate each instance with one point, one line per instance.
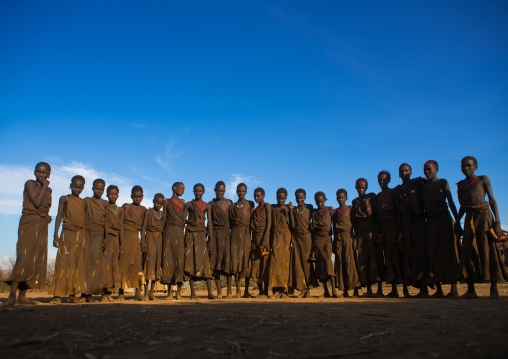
(403, 235)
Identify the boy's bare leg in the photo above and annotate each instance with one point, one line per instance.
(302, 293)
(104, 296)
(379, 293)
(335, 294)
(439, 291)
(192, 290)
(471, 292)
(368, 293)
(454, 293)
(179, 291)
(263, 290)
(89, 299)
(56, 300)
(142, 285)
(152, 288)
(424, 290)
(12, 296)
(229, 279)
(326, 293)
(405, 291)
(218, 286)
(170, 293)
(246, 294)
(209, 287)
(237, 282)
(494, 294)
(356, 292)
(121, 296)
(138, 296)
(394, 293)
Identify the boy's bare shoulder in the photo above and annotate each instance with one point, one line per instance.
(251, 204)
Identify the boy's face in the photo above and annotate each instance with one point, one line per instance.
(300, 198)
(405, 172)
(361, 187)
(158, 203)
(429, 170)
(320, 202)
(383, 180)
(77, 187)
(468, 167)
(281, 198)
(98, 190)
(259, 197)
(41, 173)
(137, 197)
(112, 195)
(219, 191)
(179, 189)
(198, 192)
(241, 192)
(341, 199)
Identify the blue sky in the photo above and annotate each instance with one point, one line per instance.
(282, 93)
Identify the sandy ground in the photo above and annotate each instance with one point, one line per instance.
(293, 328)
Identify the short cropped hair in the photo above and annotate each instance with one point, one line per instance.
(405, 164)
(175, 184)
(301, 190)
(159, 196)
(98, 180)
(78, 178)
(470, 158)
(220, 183)
(282, 190)
(260, 190)
(45, 164)
(385, 172)
(241, 185)
(320, 194)
(361, 180)
(199, 185)
(341, 190)
(112, 186)
(432, 162)
(137, 188)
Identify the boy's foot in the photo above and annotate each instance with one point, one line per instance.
(218, 296)
(151, 296)
(469, 295)
(284, 296)
(56, 300)
(247, 295)
(406, 293)
(261, 296)
(120, 298)
(378, 295)
(211, 296)
(336, 295)
(345, 294)
(438, 294)
(193, 296)
(422, 295)
(368, 294)
(494, 294)
(356, 293)
(89, 299)
(277, 295)
(393, 294)
(10, 301)
(452, 295)
(26, 301)
(178, 295)
(104, 299)
(110, 298)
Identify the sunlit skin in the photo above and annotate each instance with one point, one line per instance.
(361, 188)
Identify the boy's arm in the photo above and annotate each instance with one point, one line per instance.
(266, 233)
(120, 236)
(58, 221)
(291, 216)
(32, 195)
(493, 204)
(143, 232)
(106, 229)
(451, 204)
(397, 214)
(209, 224)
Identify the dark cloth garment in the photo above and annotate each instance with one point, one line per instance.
(259, 265)
(70, 268)
(173, 244)
(363, 217)
(480, 258)
(220, 257)
(93, 252)
(442, 245)
(280, 256)
(32, 247)
(197, 259)
(302, 270)
(388, 227)
(110, 268)
(346, 275)
(153, 238)
(322, 240)
(131, 269)
(240, 242)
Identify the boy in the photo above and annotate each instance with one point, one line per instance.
(151, 244)
(481, 259)
(280, 256)
(197, 260)
(322, 239)
(112, 245)
(173, 250)
(220, 240)
(32, 247)
(239, 218)
(260, 224)
(131, 271)
(303, 276)
(95, 234)
(69, 268)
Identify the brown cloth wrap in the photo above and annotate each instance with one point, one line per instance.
(153, 239)
(197, 260)
(346, 275)
(110, 267)
(93, 253)
(220, 257)
(280, 257)
(130, 265)
(259, 265)
(240, 242)
(302, 271)
(322, 239)
(173, 245)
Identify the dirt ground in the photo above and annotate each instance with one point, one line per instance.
(291, 328)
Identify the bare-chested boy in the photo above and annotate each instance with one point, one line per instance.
(280, 256)
(345, 266)
(69, 276)
(303, 277)
(96, 229)
(197, 256)
(443, 246)
(32, 248)
(480, 259)
(239, 218)
(131, 270)
(220, 240)
(151, 244)
(112, 245)
(260, 224)
(173, 244)
(390, 230)
(363, 217)
(322, 239)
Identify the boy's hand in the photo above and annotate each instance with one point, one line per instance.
(49, 219)
(290, 205)
(355, 244)
(45, 183)
(143, 247)
(55, 241)
(120, 253)
(458, 229)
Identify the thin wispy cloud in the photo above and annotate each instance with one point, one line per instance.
(139, 126)
(235, 180)
(170, 154)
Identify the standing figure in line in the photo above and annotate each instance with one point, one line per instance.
(414, 231)
(260, 225)
(131, 269)
(280, 256)
(443, 247)
(303, 277)
(364, 219)
(173, 244)
(346, 275)
(29, 271)
(481, 259)
(112, 245)
(197, 256)
(151, 244)
(239, 218)
(322, 238)
(69, 277)
(220, 240)
(390, 231)
(95, 234)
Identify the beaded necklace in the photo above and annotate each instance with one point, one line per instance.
(301, 211)
(177, 205)
(470, 183)
(202, 205)
(338, 211)
(259, 207)
(114, 212)
(321, 215)
(155, 215)
(213, 204)
(238, 206)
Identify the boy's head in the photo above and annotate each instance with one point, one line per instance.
(77, 185)
(341, 196)
(282, 195)
(158, 201)
(383, 178)
(98, 187)
(199, 190)
(468, 164)
(405, 171)
(137, 195)
(259, 195)
(320, 199)
(430, 169)
(300, 196)
(178, 188)
(220, 190)
(112, 193)
(241, 190)
(42, 171)
(361, 186)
